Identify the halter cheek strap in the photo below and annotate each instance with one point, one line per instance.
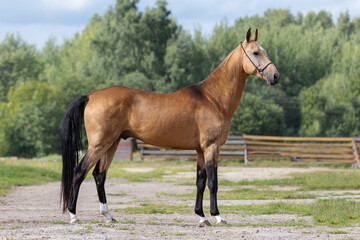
(261, 70)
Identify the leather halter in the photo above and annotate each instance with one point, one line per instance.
(261, 70)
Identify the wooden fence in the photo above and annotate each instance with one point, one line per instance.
(302, 149)
(250, 147)
(232, 149)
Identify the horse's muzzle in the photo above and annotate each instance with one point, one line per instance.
(272, 80)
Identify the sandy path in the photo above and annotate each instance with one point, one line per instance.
(33, 212)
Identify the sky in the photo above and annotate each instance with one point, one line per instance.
(38, 20)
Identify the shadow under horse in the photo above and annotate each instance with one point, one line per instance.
(196, 117)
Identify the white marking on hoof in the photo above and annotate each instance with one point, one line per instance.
(73, 218)
(204, 222)
(220, 220)
(104, 210)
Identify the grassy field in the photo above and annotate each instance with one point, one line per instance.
(335, 212)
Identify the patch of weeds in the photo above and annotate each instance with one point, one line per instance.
(178, 220)
(59, 222)
(272, 208)
(338, 232)
(148, 208)
(88, 230)
(124, 228)
(162, 233)
(129, 221)
(329, 212)
(336, 212)
(177, 195)
(16, 227)
(97, 221)
(122, 194)
(180, 234)
(132, 233)
(190, 182)
(248, 193)
(153, 221)
(321, 180)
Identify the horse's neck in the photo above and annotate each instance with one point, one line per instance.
(225, 85)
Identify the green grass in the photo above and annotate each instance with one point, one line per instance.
(15, 175)
(338, 232)
(336, 212)
(245, 193)
(59, 222)
(329, 212)
(272, 208)
(321, 180)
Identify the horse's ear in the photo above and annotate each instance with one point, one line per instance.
(255, 37)
(248, 35)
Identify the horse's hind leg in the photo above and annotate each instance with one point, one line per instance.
(80, 172)
(99, 174)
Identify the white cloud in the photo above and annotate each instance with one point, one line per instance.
(67, 5)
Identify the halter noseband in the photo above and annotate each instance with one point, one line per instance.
(261, 70)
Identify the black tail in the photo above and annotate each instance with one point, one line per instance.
(71, 144)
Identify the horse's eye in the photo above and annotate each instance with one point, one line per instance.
(256, 53)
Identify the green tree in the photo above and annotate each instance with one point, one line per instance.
(32, 120)
(19, 62)
(329, 108)
(254, 116)
(132, 41)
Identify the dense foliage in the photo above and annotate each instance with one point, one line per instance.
(319, 63)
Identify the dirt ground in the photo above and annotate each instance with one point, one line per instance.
(33, 212)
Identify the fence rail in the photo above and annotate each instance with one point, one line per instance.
(251, 147)
(303, 149)
(232, 149)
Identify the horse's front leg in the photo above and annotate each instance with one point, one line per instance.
(211, 162)
(200, 184)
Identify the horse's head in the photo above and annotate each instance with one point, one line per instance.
(256, 61)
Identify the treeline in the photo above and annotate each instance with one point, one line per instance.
(319, 63)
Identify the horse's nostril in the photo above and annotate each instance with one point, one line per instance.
(276, 76)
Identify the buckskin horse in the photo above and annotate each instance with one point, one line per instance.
(196, 117)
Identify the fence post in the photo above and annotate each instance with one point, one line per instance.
(245, 151)
(131, 149)
(356, 153)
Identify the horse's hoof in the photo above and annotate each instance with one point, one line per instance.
(222, 222)
(113, 220)
(205, 223)
(74, 220)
